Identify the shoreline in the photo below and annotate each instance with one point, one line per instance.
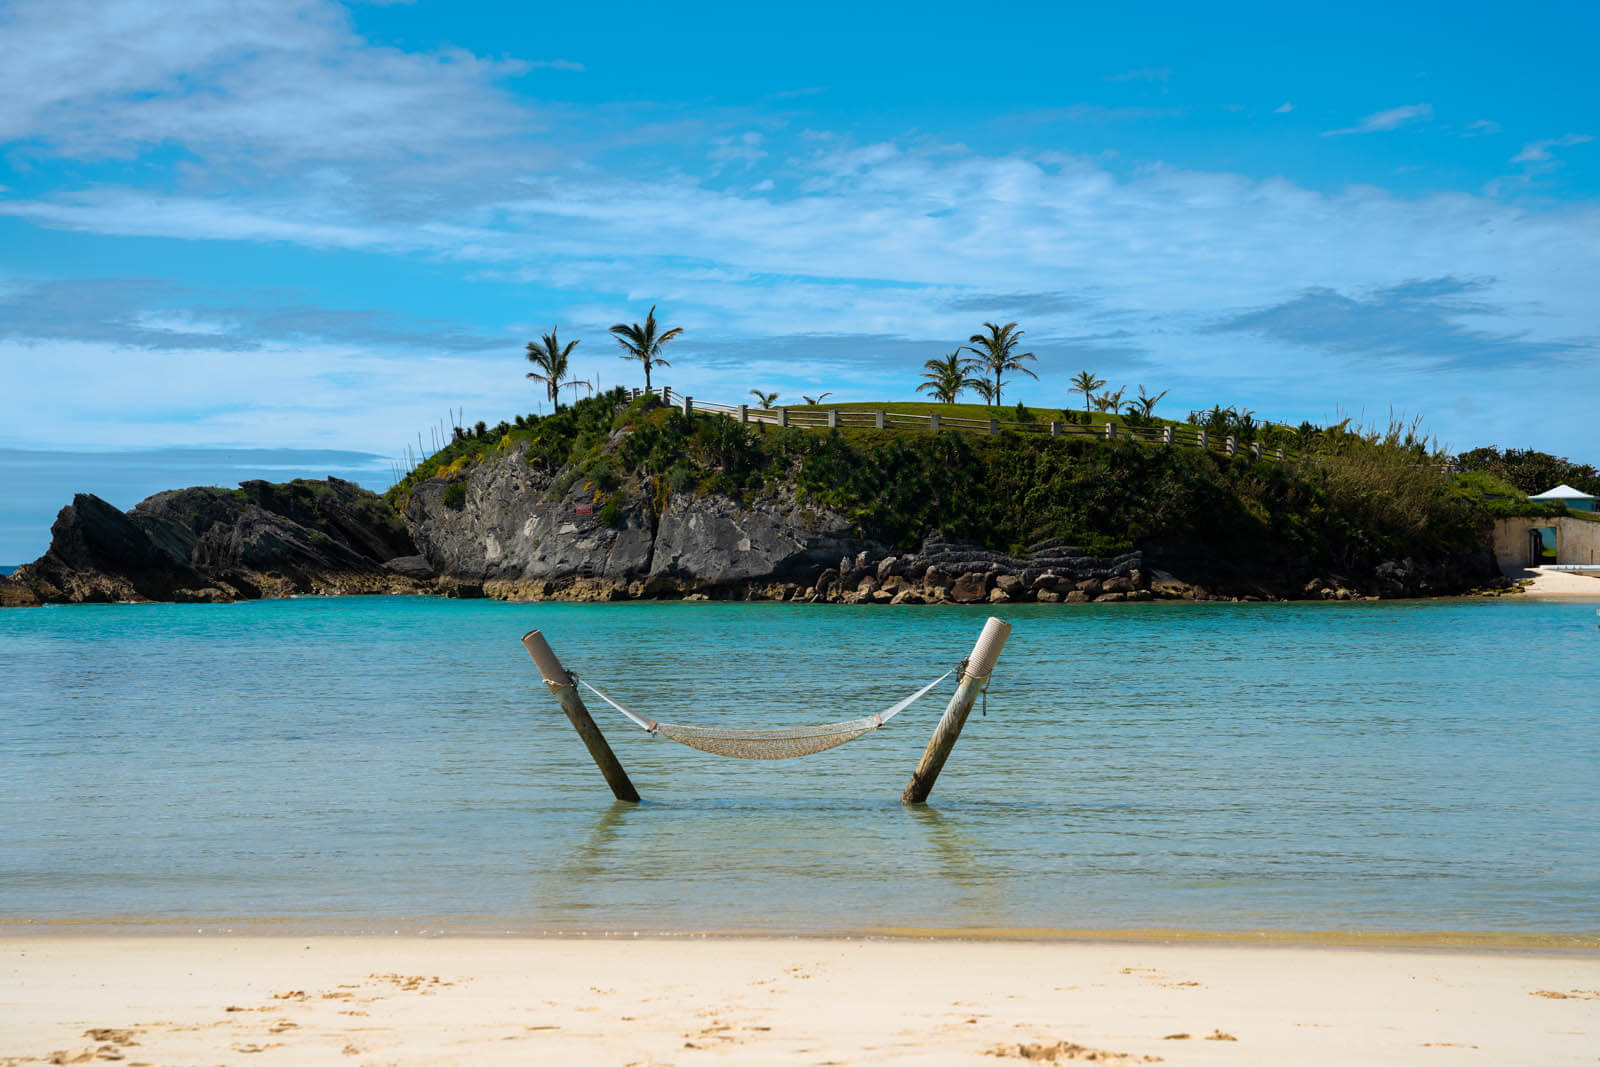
(457, 929)
(827, 1000)
(1547, 584)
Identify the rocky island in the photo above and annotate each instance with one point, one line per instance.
(619, 498)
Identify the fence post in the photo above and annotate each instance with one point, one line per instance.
(1055, 428)
(1230, 445)
(1166, 435)
(1203, 440)
(1111, 431)
(1280, 453)
(636, 392)
(1255, 449)
(783, 416)
(833, 418)
(744, 412)
(994, 427)
(666, 394)
(879, 420)
(933, 422)
(688, 405)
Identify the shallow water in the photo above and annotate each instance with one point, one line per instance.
(369, 762)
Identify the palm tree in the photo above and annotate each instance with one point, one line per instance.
(548, 355)
(1109, 401)
(995, 352)
(946, 377)
(1086, 383)
(815, 400)
(644, 344)
(984, 388)
(766, 400)
(1147, 403)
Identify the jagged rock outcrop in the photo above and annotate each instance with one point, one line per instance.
(209, 544)
(523, 533)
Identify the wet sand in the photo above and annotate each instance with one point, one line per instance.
(413, 1000)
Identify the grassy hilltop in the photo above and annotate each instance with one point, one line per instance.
(1352, 499)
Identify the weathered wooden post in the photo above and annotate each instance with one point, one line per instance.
(666, 394)
(974, 679)
(1231, 445)
(561, 684)
(1166, 435)
(880, 420)
(1255, 449)
(1055, 428)
(1111, 431)
(783, 416)
(744, 413)
(1202, 440)
(994, 427)
(933, 422)
(833, 418)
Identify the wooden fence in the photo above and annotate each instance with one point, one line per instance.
(821, 418)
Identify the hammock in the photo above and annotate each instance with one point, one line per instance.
(769, 744)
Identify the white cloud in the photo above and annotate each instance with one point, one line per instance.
(1481, 128)
(1539, 151)
(1392, 119)
(1283, 108)
(558, 64)
(1142, 74)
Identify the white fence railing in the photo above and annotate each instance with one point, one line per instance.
(820, 418)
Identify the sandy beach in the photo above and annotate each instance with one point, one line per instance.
(413, 1000)
(1560, 585)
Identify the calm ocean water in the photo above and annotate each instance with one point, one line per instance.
(373, 762)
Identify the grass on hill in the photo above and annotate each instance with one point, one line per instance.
(1368, 496)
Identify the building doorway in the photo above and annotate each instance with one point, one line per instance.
(1541, 546)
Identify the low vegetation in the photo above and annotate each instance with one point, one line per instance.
(1355, 498)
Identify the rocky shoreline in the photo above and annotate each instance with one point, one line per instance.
(518, 534)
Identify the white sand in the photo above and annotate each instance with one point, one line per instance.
(1561, 585)
(355, 1000)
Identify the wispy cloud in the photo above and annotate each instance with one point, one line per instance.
(148, 313)
(1392, 119)
(1142, 74)
(1283, 108)
(1095, 113)
(557, 64)
(1481, 128)
(1539, 151)
(1417, 324)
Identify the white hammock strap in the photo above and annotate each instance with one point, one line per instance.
(782, 743)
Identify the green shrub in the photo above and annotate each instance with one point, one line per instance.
(455, 495)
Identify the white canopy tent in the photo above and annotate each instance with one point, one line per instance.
(1568, 496)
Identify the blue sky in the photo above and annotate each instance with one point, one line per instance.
(304, 225)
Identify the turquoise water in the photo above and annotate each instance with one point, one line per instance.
(374, 762)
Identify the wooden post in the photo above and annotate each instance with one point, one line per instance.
(783, 416)
(1166, 435)
(744, 413)
(1111, 431)
(1055, 428)
(879, 420)
(560, 683)
(1203, 440)
(974, 678)
(833, 418)
(1231, 445)
(994, 427)
(933, 422)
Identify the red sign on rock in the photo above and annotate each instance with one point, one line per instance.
(585, 509)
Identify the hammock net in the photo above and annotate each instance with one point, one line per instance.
(769, 744)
